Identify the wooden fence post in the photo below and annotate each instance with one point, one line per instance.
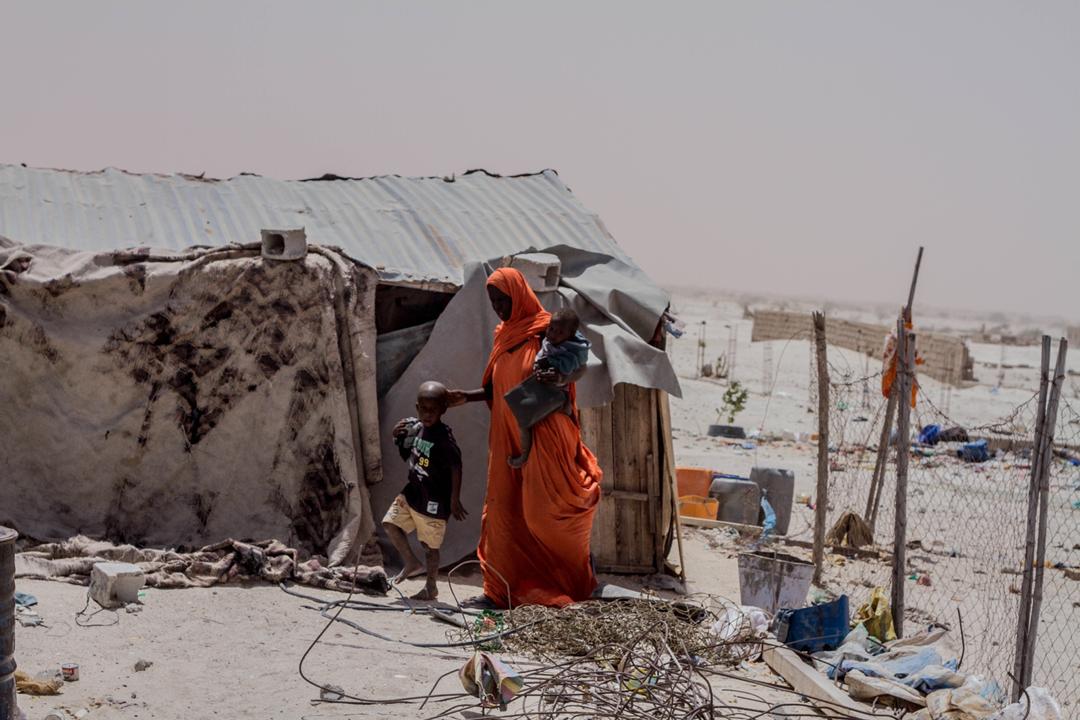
(877, 480)
(1023, 622)
(1045, 464)
(822, 499)
(905, 355)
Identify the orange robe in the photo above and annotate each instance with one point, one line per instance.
(537, 521)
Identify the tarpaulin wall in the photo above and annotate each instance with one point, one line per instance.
(181, 400)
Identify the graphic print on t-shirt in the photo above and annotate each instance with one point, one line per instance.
(433, 457)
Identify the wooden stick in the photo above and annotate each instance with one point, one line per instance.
(1045, 463)
(669, 461)
(1023, 623)
(914, 280)
(822, 498)
(905, 362)
(877, 480)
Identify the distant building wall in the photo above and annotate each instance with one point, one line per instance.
(1072, 334)
(946, 358)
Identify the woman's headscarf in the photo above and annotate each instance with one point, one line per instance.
(527, 316)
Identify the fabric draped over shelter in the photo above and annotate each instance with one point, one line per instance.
(458, 347)
(178, 400)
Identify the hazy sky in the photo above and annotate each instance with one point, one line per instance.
(795, 147)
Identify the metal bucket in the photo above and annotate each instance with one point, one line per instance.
(771, 580)
(8, 710)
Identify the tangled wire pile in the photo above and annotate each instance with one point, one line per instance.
(595, 628)
(632, 659)
(638, 659)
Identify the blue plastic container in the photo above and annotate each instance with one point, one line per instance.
(815, 628)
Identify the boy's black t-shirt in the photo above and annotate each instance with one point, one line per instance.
(433, 457)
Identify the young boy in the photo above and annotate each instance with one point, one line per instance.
(433, 492)
(561, 360)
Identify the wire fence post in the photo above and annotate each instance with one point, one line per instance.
(877, 480)
(1024, 622)
(905, 355)
(822, 498)
(1045, 461)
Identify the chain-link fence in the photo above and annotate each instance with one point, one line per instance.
(966, 525)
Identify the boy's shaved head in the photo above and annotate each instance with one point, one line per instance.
(432, 399)
(432, 390)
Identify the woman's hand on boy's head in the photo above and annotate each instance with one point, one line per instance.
(455, 398)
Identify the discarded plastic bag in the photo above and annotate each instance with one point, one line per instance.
(1043, 707)
(866, 688)
(769, 526)
(855, 647)
(876, 615)
(742, 623)
(491, 680)
(963, 702)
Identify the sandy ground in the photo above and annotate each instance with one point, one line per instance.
(969, 519)
(233, 651)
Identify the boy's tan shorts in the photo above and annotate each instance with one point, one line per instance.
(429, 530)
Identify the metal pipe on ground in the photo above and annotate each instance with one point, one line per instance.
(8, 709)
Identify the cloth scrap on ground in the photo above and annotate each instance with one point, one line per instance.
(227, 561)
(29, 686)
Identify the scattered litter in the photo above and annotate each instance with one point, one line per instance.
(142, 665)
(70, 672)
(27, 617)
(490, 680)
(32, 686)
(929, 434)
(769, 525)
(1043, 707)
(815, 628)
(331, 693)
(976, 452)
(924, 580)
(25, 599)
(132, 608)
(876, 615)
(850, 531)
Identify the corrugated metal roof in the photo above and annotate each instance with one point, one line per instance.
(409, 228)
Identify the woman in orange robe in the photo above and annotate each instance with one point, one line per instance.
(536, 524)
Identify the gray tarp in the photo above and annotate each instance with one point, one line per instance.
(618, 306)
(182, 400)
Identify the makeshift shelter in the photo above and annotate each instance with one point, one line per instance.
(171, 379)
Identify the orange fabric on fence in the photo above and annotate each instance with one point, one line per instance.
(889, 360)
(537, 521)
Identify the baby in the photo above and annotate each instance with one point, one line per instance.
(561, 361)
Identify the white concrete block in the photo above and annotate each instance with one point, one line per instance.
(114, 584)
(541, 270)
(284, 244)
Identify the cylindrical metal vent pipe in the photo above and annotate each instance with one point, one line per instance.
(7, 624)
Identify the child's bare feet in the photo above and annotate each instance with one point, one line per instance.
(428, 593)
(409, 571)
